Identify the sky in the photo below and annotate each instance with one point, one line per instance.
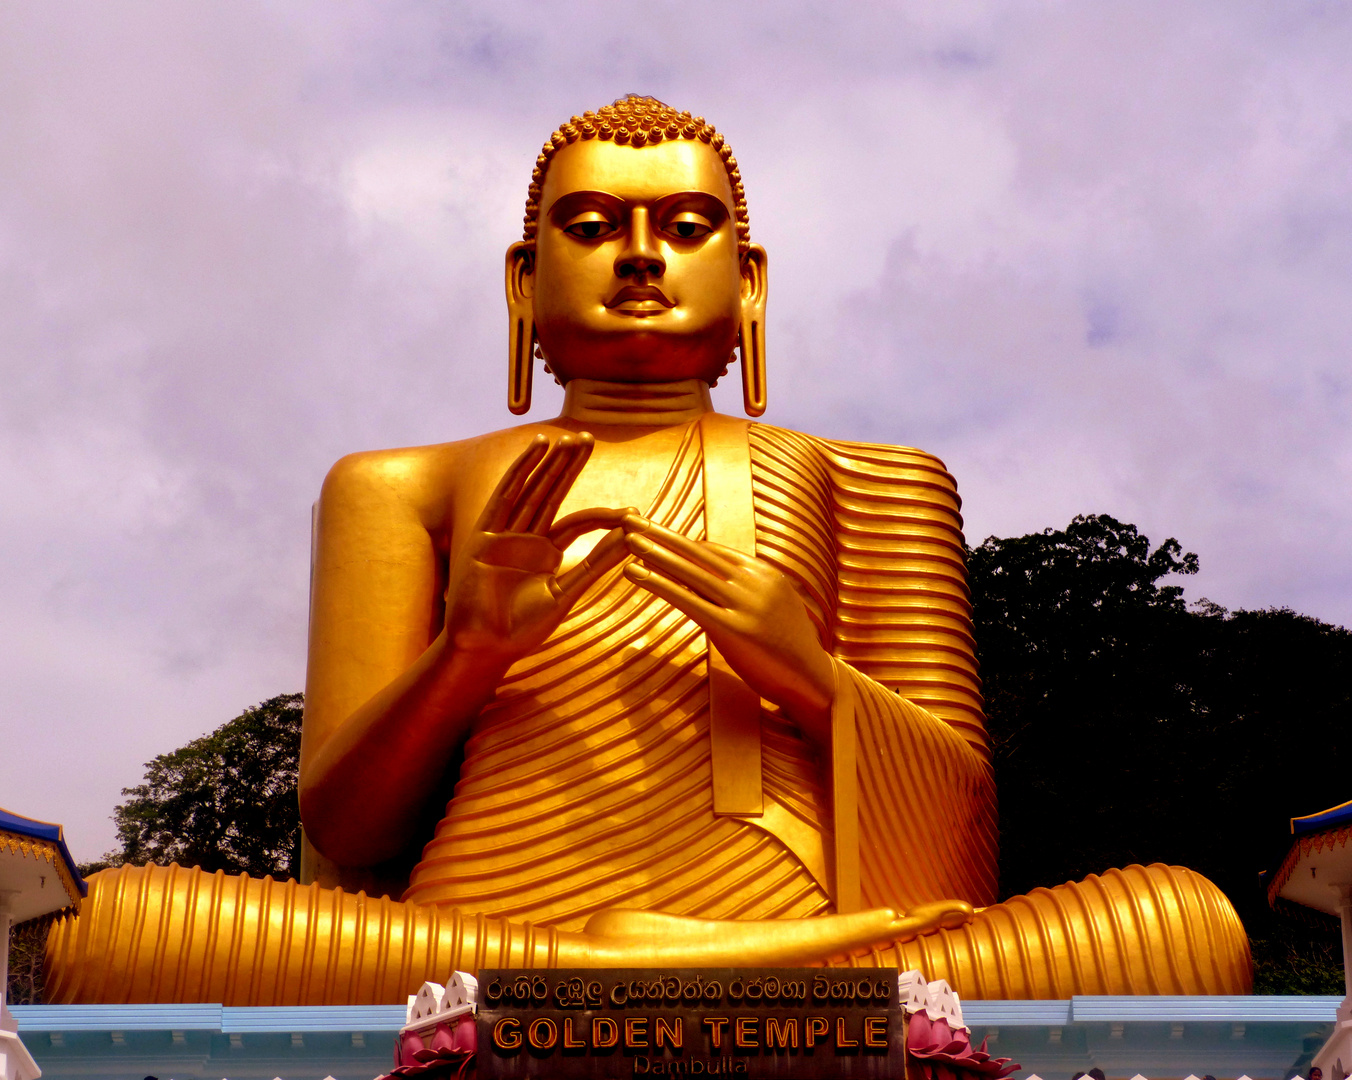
(1097, 256)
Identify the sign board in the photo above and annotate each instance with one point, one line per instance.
(626, 1023)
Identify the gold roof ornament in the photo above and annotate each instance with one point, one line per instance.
(36, 868)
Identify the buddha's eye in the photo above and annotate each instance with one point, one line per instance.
(590, 226)
(688, 227)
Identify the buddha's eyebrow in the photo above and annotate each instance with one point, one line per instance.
(574, 202)
(704, 202)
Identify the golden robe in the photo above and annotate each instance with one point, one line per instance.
(587, 784)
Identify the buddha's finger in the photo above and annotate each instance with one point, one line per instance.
(936, 915)
(607, 555)
(540, 484)
(678, 596)
(499, 506)
(562, 533)
(732, 555)
(518, 551)
(544, 516)
(689, 574)
(697, 551)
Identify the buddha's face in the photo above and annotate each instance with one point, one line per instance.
(636, 276)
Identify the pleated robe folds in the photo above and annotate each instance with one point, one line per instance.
(586, 782)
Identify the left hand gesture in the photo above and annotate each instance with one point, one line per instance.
(750, 611)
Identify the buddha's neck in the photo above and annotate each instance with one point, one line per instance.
(591, 401)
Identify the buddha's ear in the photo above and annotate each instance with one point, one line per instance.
(755, 285)
(521, 325)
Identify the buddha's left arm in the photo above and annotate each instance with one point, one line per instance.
(751, 612)
(902, 640)
(920, 812)
(924, 800)
(902, 657)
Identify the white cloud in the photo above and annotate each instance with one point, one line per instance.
(1094, 255)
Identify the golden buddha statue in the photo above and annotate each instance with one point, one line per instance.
(704, 688)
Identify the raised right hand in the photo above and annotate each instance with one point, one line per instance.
(504, 595)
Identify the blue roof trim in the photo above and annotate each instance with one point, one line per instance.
(373, 1018)
(1325, 819)
(44, 830)
(389, 1018)
(39, 830)
(1246, 1010)
(315, 1018)
(117, 1017)
(1016, 1013)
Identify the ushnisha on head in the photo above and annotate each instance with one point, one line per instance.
(637, 264)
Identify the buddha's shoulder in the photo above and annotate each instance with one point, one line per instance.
(847, 457)
(417, 473)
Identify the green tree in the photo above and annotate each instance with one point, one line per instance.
(1127, 728)
(1078, 643)
(26, 942)
(226, 801)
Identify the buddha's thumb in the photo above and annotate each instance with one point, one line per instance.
(936, 915)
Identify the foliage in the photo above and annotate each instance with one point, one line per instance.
(26, 943)
(226, 801)
(1300, 952)
(1150, 733)
(1141, 730)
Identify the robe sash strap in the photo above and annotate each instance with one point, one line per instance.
(845, 791)
(734, 708)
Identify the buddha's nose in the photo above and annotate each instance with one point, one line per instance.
(641, 256)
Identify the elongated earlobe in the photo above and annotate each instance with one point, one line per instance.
(520, 363)
(752, 343)
(520, 327)
(751, 335)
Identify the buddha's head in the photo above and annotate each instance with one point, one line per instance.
(637, 264)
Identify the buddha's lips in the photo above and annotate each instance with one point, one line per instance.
(639, 298)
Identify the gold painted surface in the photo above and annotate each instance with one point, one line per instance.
(734, 708)
(515, 634)
(172, 935)
(169, 934)
(1142, 930)
(601, 744)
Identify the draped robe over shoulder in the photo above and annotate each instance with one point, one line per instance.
(587, 781)
(591, 779)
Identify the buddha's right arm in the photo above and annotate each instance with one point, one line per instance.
(395, 679)
(363, 791)
(244, 941)
(388, 702)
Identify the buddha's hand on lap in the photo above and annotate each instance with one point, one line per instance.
(504, 594)
(936, 915)
(624, 938)
(749, 609)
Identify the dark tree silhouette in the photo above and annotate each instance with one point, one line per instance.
(226, 801)
(1127, 728)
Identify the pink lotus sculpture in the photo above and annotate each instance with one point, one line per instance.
(940, 1053)
(448, 1053)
